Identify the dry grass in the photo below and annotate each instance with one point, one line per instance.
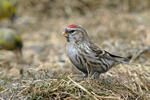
(45, 73)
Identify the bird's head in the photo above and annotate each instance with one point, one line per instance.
(75, 34)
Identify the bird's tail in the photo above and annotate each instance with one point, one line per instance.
(127, 60)
(123, 60)
(120, 59)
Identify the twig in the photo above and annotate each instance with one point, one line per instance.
(81, 87)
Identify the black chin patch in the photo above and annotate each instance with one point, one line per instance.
(67, 38)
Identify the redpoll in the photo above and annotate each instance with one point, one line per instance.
(85, 55)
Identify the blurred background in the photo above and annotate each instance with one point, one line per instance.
(118, 26)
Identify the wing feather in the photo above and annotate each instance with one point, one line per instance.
(104, 54)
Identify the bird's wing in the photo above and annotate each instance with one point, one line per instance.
(97, 59)
(106, 55)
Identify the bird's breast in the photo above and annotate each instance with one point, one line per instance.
(72, 53)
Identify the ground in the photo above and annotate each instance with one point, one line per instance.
(45, 72)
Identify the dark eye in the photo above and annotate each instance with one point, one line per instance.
(71, 31)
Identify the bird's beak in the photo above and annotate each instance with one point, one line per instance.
(64, 34)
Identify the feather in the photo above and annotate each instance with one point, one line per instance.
(87, 56)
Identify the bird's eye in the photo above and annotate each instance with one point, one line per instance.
(71, 31)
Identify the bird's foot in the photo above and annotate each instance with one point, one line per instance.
(95, 76)
(85, 76)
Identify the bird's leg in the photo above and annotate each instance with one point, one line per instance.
(95, 75)
(85, 75)
(91, 73)
(18, 53)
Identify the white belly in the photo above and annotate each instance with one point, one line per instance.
(71, 52)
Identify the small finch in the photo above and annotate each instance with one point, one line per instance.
(87, 56)
(10, 40)
(7, 10)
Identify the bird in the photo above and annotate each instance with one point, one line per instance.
(86, 56)
(7, 10)
(11, 40)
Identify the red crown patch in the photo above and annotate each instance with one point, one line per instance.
(72, 26)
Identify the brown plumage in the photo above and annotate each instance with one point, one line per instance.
(87, 56)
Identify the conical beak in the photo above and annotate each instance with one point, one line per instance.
(64, 34)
